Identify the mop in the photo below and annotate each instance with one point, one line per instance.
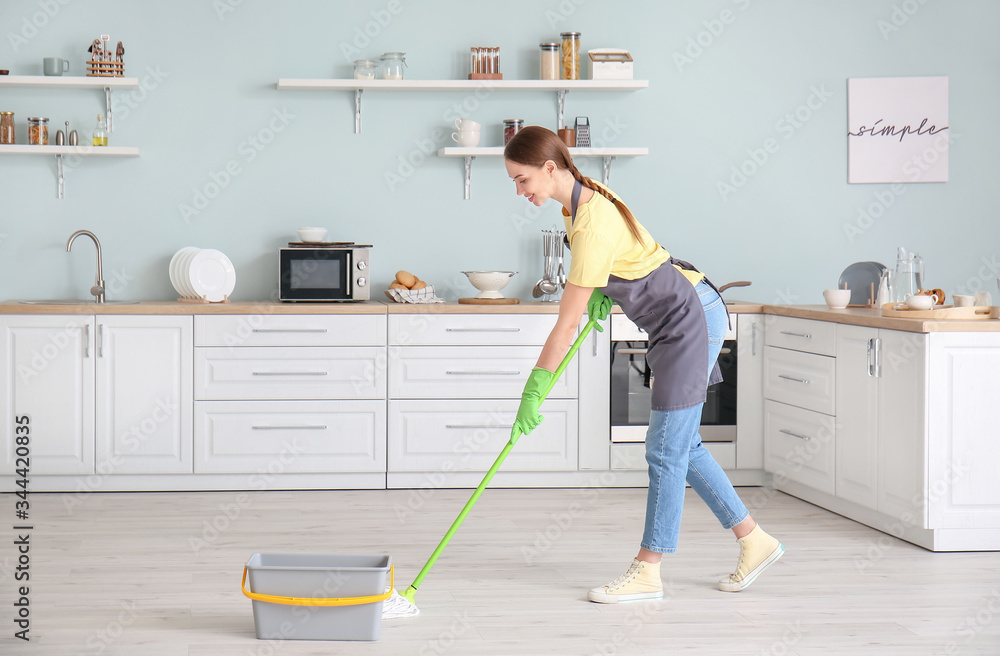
(402, 604)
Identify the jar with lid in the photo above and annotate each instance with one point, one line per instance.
(511, 126)
(6, 127)
(570, 55)
(38, 131)
(392, 64)
(364, 69)
(548, 61)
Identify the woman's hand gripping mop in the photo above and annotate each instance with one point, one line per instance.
(402, 605)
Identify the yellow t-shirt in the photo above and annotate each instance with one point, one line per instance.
(602, 245)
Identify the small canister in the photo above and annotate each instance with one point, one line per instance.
(548, 61)
(511, 126)
(570, 55)
(364, 69)
(6, 127)
(392, 65)
(38, 131)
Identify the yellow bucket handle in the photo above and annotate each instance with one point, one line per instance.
(322, 601)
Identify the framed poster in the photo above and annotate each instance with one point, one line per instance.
(897, 129)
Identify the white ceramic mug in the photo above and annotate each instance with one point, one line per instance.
(466, 138)
(467, 124)
(920, 301)
(984, 298)
(837, 299)
(964, 300)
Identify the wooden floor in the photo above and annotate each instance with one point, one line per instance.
(147, 574)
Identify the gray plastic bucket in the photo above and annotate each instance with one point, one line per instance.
(303, 581)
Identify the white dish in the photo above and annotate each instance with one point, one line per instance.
(174, 269)
(183, 271)
(211, 275)
(311, 235)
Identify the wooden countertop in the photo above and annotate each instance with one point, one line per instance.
(853, 316)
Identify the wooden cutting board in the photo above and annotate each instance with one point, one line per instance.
(490, 301)
(940, 312)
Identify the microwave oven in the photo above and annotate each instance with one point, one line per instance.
(324, 273)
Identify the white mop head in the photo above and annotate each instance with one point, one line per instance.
(398, 606)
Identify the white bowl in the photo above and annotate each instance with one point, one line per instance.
(311, 235)
(837, 299)
(489, 283)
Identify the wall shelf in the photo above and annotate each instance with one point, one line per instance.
(561, 87)
(606, 154)
(74, 82)
(62, 151)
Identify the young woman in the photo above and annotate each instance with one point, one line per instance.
(614, 257)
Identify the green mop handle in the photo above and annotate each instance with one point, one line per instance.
(515, 434)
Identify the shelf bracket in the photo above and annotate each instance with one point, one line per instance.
(107, 113)
(561, 100)
(357, 110)
(607, 168)
(468, 175)
(61, 177)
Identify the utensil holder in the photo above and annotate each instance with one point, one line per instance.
(98, 68)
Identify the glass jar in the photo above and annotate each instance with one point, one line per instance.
(548, 61)
(6, 127)
(392, 64)
(38, 131)
(570, 55)
(511, 126)
(364, 69)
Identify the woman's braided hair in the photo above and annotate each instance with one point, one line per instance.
(535, 145)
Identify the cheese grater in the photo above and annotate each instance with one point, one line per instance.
(582, 132)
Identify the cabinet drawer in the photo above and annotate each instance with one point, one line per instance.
(801, 379)
(290, 373)
(802, 335)
(274, 437)
(632, 457)
(468, 372)
(799, 445)
(446, 436)
(469, 329)
(290, 330)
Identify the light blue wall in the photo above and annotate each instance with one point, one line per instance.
(209, 78)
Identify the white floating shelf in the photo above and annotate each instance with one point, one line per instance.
(82, 151)
(561, 87)
(607, 154)
(69, 81)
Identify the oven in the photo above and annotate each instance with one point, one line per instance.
(632, 381)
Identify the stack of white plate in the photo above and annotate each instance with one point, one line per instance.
(202, 274)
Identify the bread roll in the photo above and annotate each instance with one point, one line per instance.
(419, 284)
(405, 278)
(395, 284)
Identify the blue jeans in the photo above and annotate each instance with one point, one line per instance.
(675, 453)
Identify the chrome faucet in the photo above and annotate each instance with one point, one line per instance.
(98, 289)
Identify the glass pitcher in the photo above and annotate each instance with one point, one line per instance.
(909, 276)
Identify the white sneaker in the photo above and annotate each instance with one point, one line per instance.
(757, 551)
(641, 581)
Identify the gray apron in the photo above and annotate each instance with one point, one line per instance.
(665, 304)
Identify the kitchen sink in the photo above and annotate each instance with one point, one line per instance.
(78, 302)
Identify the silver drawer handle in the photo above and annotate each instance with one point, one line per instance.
(289, 427)
(803, 335)
(289, 330)
(788, 432)
(289, 373)
(483, 330)
(483, 373)
(633, 351)
(794, 380)
(490, 426)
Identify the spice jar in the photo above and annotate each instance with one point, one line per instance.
(511, 126)
(6, 127)
(570, 55)
(364, 69)
(392, 64)
(38, 131)
(548, 61)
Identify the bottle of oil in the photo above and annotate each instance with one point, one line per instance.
(100, 132)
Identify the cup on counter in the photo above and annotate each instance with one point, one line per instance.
(837, 299)
(54, 66)
(920, 301)
(466, 138)
(963, 300)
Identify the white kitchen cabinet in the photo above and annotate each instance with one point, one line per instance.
(857, 449)
(144, 394)
(800, 445)
(750, 401)
(48, 374)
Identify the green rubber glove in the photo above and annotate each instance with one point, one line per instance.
(598, 308)
(527, 413)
